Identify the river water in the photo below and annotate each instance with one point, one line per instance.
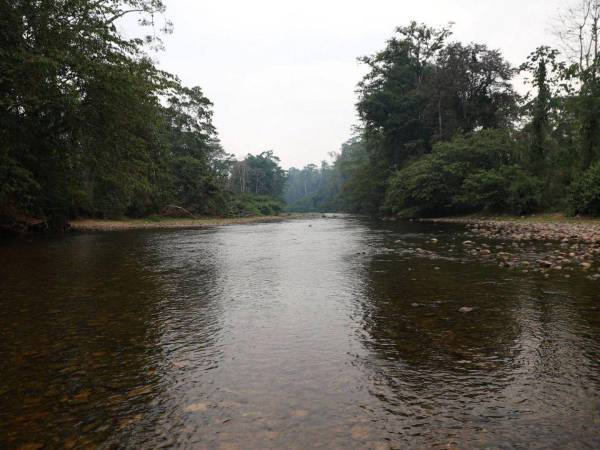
(313, 333)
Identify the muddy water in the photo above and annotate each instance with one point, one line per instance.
(321, 333)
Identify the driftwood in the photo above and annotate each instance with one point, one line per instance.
(166, 212)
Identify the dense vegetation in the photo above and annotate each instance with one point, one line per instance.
(90, 126)
(443, 131)
(258, 183)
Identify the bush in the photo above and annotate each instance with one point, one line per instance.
(255, 205)
(434, 183)
(585, 192)
(506, 189)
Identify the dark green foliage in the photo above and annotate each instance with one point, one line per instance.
(198, 164)
(585, 192)
(255, 205)
(90, 126)
(78, 105)
(257, 184)
(421, 89)
(434, 183)
(362, 178)
(507, 189)
(443, 131)
(259, 175)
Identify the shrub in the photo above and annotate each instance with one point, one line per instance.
(505, 189)
(585, 192)
(255, 205)
(434, 183)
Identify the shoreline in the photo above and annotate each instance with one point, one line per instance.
(530, 228)
(561, 245)
(102, 225)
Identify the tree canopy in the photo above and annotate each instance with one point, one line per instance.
(442, 130)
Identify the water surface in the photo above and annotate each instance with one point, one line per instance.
(317, 333)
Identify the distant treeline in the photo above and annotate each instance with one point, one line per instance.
(443, 131)
(90, 126)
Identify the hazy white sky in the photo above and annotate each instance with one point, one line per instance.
(282, 73)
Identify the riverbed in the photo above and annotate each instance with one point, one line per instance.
(335, 332)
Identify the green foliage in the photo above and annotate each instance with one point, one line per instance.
(434, 183)
(507, 189)
(421, 89)
(90, 125)
(585, 192)
(255, 205)
(443, 131)
(362, 178)
(259, 175)
(16, 183)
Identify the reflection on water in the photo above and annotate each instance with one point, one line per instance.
(326, 333)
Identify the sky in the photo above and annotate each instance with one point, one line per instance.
(282, 74)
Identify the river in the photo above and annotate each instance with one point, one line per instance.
(313, 333)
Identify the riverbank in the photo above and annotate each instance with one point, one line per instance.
(545, 227)
(87, 225)
(560, 244)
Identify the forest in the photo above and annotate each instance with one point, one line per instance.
(92, 127)
(443, 131)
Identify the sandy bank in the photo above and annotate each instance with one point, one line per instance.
(150, 224)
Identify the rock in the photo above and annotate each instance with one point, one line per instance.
(379, 445)
(466, 309)
(142, 390)
(128, 421)
(31, 446)
(586, 266)
(468, 243)
(196, 407)
(359, 432)
(229, 446)
(434, 241)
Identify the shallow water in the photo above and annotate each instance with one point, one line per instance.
(317, 333)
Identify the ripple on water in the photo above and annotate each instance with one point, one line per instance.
(342, 334)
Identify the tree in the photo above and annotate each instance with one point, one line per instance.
(312, 188)
(391, 96)
(469, 88)
(199, 165)
(579, 31)
(90, 125)
(259, 175)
